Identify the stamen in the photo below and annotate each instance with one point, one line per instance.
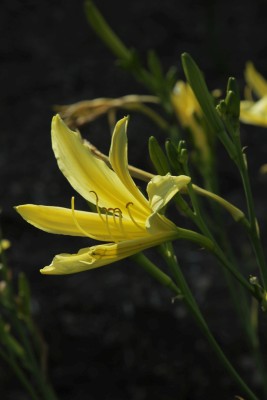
(120, 220)
(107, 224)
(77, 223)
(130, 215)
(115, 212)
(112, 211)
(97, 206)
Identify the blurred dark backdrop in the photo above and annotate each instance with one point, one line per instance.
(113, 333)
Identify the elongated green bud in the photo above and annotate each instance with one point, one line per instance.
(158, 157)
(233, 87)
(199, 87)
(173, 157)
(195, 78)
(233, 105)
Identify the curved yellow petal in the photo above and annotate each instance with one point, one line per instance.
(98, 256)
(161, 189)
(62, 221)
(84, 171)
(255, 80)
(119, 161)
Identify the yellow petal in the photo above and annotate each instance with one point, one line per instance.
(84, 171)
(119, 161)
(254, 113)
(98, 256)
(161, 189)
(157, 223)
(185, 103)
(255, 80)
(62, 221)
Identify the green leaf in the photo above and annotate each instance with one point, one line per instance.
(104, 31)
(195, 78)
(173, 157)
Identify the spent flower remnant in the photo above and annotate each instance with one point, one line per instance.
(251, 111)
(124, 217)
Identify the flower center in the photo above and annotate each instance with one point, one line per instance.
(105, 215)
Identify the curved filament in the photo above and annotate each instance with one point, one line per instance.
(130, 215)
(84, 232)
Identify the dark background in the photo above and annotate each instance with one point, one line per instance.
(113, 333)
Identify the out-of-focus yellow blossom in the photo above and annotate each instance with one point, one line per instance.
(189, 114)
(124, 216)
(4, 244)
(251, 111)
(263, 169)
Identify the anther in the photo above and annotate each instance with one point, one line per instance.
(116, 214)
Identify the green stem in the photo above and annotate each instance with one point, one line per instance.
(239, 299)
(254, 231)
(103, 30)
(210, 244)
(156, 272)
(189, 299)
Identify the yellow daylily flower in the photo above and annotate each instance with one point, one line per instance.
(254, 112)
(124, 216)
(188, 110)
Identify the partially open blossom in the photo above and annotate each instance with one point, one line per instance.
(254, 111)
(124, 217)
(189, 114)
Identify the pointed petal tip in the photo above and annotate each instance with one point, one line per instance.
(57, 118)
(57, 121)
(122, 121)
(19, 209)
(49, 270)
